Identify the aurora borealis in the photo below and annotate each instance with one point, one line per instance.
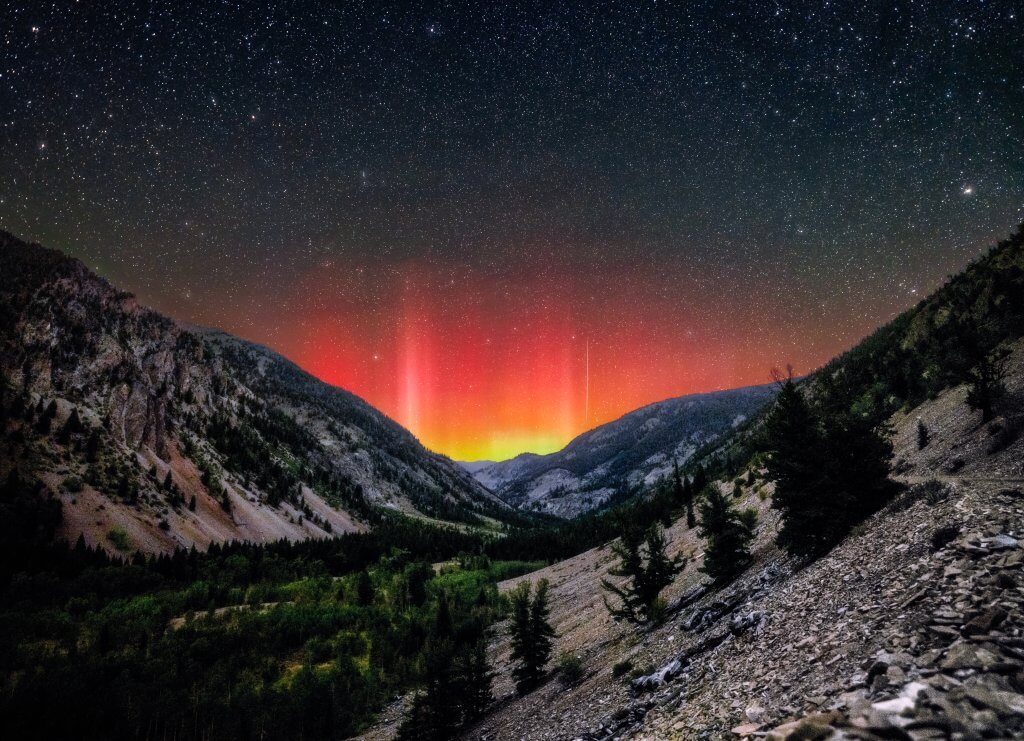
(439, 207)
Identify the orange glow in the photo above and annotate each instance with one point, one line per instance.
(486, 366)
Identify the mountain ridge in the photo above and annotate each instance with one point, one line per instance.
(631, 452)
(195, 436)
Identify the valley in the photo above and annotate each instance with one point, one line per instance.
(170, 486)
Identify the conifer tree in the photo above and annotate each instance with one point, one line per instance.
(683, 493)
(923, 436)
(476, 676)
(45, 420)
(983, 362)
(830, 471)
(72, 426)
(643, 559)
(364, 589)
(532, 635)
(456, 681)
(727, 534)
(986, 381)
(92, 446)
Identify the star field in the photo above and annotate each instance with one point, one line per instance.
(440, 206)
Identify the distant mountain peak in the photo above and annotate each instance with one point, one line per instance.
(628, 453)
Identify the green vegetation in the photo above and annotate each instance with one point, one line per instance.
(727, 534)
(830, 468)
(569, 667)
(643, 560)
(532, 634)
(456, 678)
(622, 667)
(956, 335)
(317, 635)
(118, 537)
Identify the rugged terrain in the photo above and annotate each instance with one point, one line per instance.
(630, 453)
(913, 627)
(155, 436)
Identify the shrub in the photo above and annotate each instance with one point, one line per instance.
(923, 436)
(118, 537)
(1003, 433)
(621, 667)
(930, 492)
(569, 667)
(73, 484)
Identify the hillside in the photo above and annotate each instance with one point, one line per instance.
(896, 610)
(912, 627)
(154, 436)
(632, 452)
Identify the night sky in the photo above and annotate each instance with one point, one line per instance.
(440, 207)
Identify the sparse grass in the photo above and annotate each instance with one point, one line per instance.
(930, 492)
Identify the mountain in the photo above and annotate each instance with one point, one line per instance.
(909, 628)
(155, 435)
(633, 451)
(474, 466)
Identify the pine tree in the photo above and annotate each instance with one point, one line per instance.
(532, 635)
(643, 559)
(46, 417)
(476, 676)
(923, 436)
(92, 446)
(436, 713)
(72, 426)
(682, 492)
(727, 534)
(830, 471)
(985, 360)
(986, 382)
(364, 589)
(456, 681)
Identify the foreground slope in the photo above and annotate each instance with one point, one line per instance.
(920, 611)
(155, 436)
(633, 451)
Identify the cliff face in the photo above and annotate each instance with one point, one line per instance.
(254, 448)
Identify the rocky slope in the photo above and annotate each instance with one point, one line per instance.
(154, 435)
(912, 628)
(633, 451)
